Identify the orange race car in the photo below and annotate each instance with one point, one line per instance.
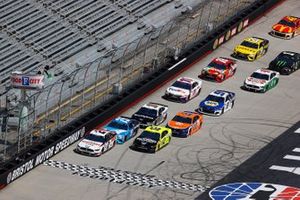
(286, 28)
(185, 123)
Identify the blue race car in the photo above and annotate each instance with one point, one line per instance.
(217, 102)
(125, 128)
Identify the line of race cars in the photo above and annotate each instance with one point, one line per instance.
(151, 115)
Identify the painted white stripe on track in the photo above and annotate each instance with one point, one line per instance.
(177, 64)
(291, 157)
(296, 150)
(297, 131)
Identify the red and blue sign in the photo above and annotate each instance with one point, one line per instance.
(254, 191)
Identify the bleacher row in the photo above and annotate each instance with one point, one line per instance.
(35, 32)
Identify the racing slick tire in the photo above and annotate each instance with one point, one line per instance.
(222, 112)
(232, 104)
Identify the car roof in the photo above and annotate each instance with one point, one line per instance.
(100, 132)
(289, 53)
(122, 120)
(187, 114)
(290, 18)
(155, 129)
(255, 40)
(219, 93)
(186, 80)
(222, 60)
(152, 105)
(264, 71)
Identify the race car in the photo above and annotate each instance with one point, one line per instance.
(183, 89)
(261, 80)
(151, 114)
(96, 142)
(287, 28)
(152, 139)
(185, 123)
(124, 127)
(219, 69)
(251, 48)
(217, 103)
(286, 62)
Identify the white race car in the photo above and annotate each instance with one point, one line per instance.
(96, 142)
(261, 80)
(183, 89)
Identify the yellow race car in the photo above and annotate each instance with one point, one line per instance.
(152, 139)
(251, 48)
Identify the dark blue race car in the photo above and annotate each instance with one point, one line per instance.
(217, 102)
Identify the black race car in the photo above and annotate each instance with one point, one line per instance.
(286, 62)
(151, 114)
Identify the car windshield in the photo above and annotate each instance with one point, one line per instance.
(182, 85)
(260, 76)
(215, 98)
(117, 125)
(287, 23)
(147, 112)
(150, 135)
(217, 66)
(249, 44)
(95, 138)
(182, 119)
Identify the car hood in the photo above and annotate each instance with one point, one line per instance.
(283, 28)
(244, 49)
(279, 64)
(178, 91)
(255, 81)
(212, 104)
(178, 125)
(89, 144)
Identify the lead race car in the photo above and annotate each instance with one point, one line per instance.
(251, 48)
(286, 62)
(217, 103)
(261, 80)
(124, 127)
(151, 114)
(183, 89)
(219, 69)
(287, 28)
(96, 142)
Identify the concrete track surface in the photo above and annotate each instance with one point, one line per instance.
(186, 166)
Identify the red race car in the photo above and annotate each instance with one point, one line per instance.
(287, 28)
(219, 69)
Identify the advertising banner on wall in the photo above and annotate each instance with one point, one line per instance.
(26, 81)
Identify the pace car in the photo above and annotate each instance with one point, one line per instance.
(96, 142)
(185, 123)
(287, 28)
(219, 69)
(152, 139)
(217, 103)
(124, 127)
(183, 89)
(286, 62)
(261, 80)
(251, 48)
(151, 114)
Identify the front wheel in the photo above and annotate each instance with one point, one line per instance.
(232, 104)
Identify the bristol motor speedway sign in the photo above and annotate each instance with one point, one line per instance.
(38, 159)
(24, 81)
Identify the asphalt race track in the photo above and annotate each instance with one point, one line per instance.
(187, 166)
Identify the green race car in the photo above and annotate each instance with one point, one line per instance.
(261, 80)
(152, 139)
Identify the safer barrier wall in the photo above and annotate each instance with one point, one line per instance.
(61, 139)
